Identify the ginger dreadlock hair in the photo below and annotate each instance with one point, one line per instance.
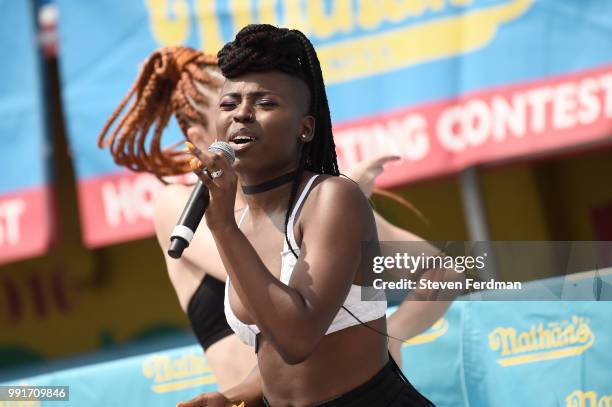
(263, 47)
(171, 80)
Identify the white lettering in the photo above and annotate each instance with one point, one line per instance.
(564, 105)
(509, 117)
(537, 99)
(589, 102)
(606, 83)
(128, 201)
(476, 122)
(10, 214)
(447, 129)
(406, 137)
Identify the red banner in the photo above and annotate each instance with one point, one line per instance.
(25, 229)
(119, 207)
(510, 122)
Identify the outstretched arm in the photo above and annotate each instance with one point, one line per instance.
(414, 315)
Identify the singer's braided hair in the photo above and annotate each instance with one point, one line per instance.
(263, 47)
(177, 80)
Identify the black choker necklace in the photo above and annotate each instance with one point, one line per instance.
(268, 185)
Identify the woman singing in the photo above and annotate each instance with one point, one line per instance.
(184, 82)
(294, 255)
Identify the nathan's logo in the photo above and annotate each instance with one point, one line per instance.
(542, 342)
(353, 38)
(437, 330)
(581, 398)
(170, 374)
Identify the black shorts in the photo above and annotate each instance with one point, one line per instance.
(389, 388)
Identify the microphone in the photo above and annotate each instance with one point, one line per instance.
(195, 207)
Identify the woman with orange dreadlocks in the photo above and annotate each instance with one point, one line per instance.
(183, 82)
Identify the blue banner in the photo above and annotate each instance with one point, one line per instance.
(479, 354)
(24, 152)
(443, 84)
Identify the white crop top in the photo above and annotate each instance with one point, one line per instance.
(364, 310)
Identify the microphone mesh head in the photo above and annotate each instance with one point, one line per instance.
(225, 148)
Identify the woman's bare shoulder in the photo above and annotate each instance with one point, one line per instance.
(337, 198)
(333, 191)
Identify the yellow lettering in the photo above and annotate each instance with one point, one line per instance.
(168, 373)
(435, 5)
(460, 3)
(556, 331)
(580, 398)
(583, 332)
(339, 20)
(267, 12)
(504, 339)
(533, 338)
(569, 336)
(370, 13)
(241, 13)
(524, 343)
(546, 337)
(179, 368)
(169, 21)
(150, 368)
(294, 18)
(210, 30)
(397, 10)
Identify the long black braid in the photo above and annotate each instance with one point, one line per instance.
(263, 47)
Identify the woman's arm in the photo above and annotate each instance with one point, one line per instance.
(294, 318)
(414, 315)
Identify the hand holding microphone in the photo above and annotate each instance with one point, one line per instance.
(215, 166)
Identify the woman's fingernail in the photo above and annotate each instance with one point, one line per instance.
(195, 164)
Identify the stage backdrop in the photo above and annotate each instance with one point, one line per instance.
(443, 84)
(25, 215)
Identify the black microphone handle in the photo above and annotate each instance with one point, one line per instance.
(189, 220)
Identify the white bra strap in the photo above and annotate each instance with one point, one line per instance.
(244, 212)
(295, 209)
